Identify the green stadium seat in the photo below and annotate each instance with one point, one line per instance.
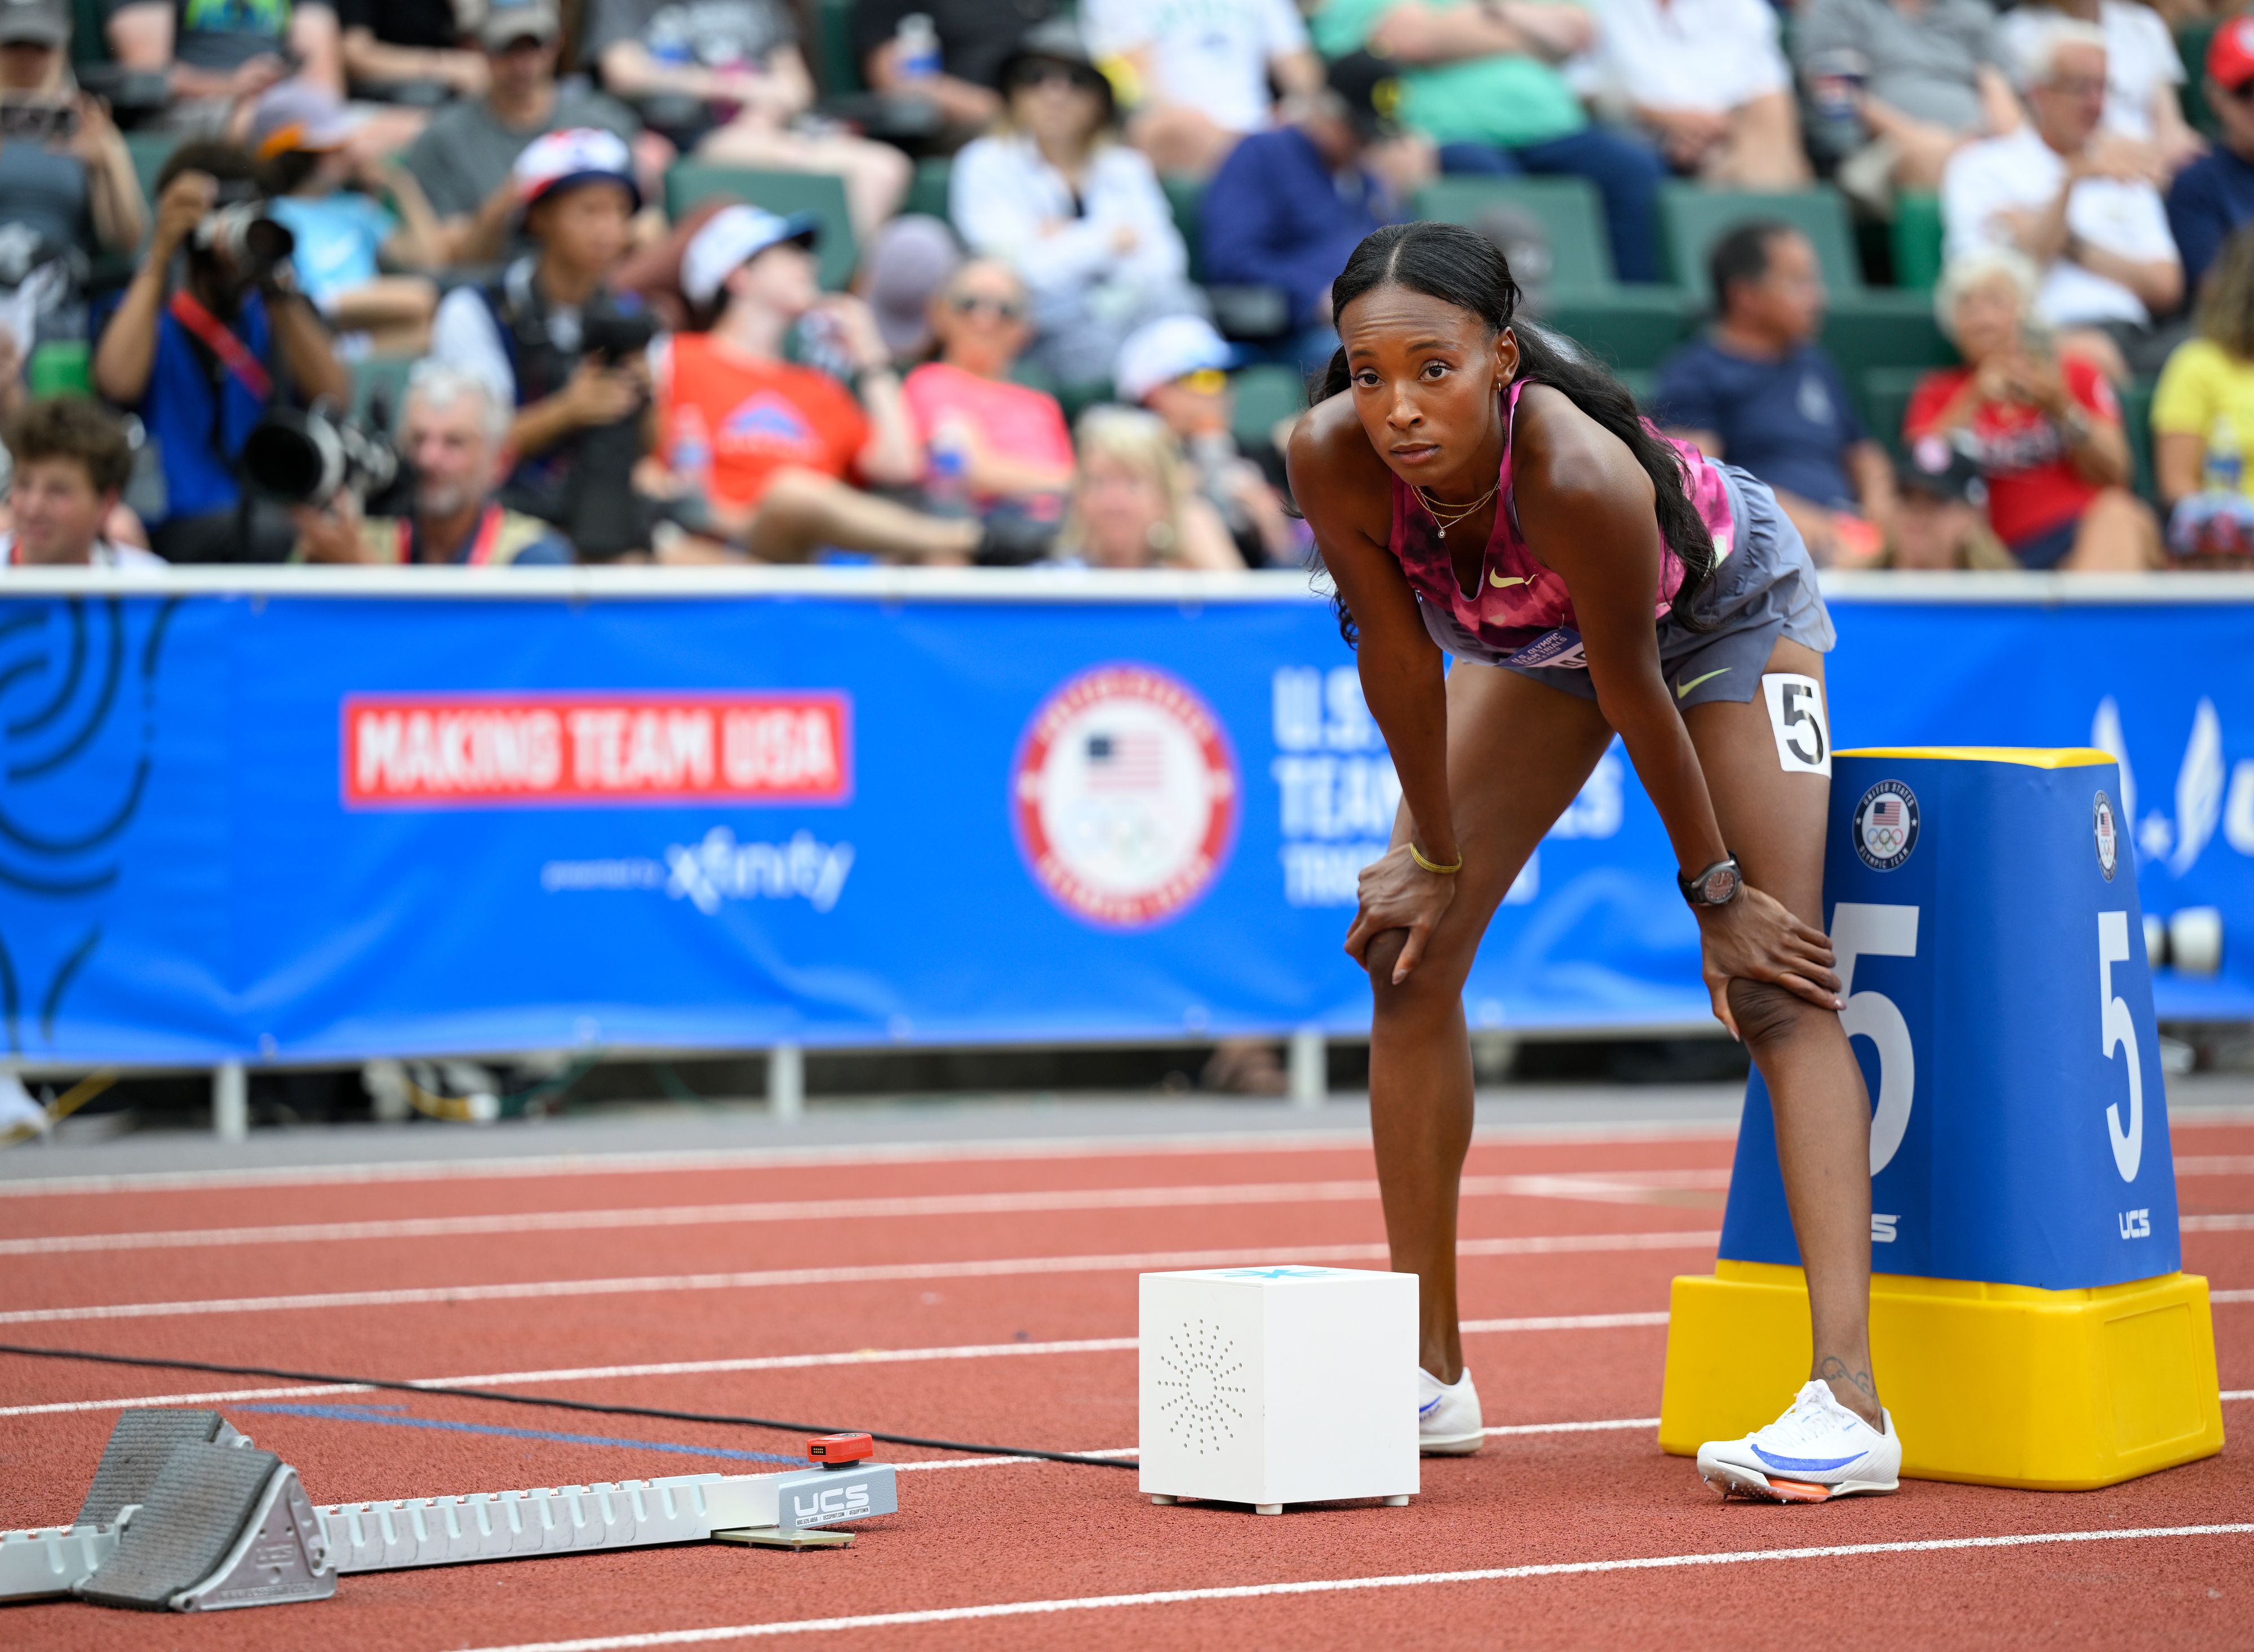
(150, 151)
(2192, 40)
(689, 182)
(1569, 210)
(1628, 326)
(383, 374)
(2137, 424)
(1643, 384)
(1881, 327)
(927, 193)
(90, 44)
(1185, 195)
(835, 60)
(1691, 219)
(59, 367)
(1886, 393)
(1265, 394)
(1915, 236)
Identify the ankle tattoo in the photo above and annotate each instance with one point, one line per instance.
(1834, 1370)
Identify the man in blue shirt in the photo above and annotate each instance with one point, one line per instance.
(1289, 205)
(2214, 195)
(1757, 392)
(201, 357)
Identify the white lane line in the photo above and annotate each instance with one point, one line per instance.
(763, 1362)
(1595, 1187)
(1573, 1428)
(1339, 1586)
(1344, 1139)
(2230, 1295)
(2238, 1394)
(654, 1284)
(2215, 1224)
(2215, 1164)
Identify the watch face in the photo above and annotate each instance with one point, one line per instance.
(1718, 885)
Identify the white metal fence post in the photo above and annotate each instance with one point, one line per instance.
(1310, 1068)
(230, 1101)
(785, 1081)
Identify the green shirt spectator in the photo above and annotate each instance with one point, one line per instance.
(1507, 99)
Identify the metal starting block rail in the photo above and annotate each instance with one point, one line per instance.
(185, 1515)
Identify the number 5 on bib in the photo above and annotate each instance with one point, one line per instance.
(1796, 717)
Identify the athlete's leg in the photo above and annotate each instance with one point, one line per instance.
(1774, 823)
(1517, 753)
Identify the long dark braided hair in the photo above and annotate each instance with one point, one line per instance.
(1463, 268)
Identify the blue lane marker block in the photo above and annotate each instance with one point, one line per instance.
(2001, 1006)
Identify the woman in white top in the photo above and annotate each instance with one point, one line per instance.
(1080, 216)
(1197, 71)
(2144, 120)
(1707, 80)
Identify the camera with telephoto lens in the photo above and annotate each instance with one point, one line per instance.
(239, 229)
(310, 458)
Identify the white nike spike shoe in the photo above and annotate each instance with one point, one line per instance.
(1817, 1451)
(1448, 1416)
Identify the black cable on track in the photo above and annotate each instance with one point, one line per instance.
(559, 1405)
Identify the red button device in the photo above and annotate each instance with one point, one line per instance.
(834, 1451)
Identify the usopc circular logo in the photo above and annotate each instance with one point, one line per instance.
(2107, 835)
(1125, 795)
(1885, 830)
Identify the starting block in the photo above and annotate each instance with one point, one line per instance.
(1275, 1385)
(2030, 1324)
(185, 1515)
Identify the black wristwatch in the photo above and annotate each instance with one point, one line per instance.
(1716, 886)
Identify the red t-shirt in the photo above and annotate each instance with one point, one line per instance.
(2033, 485)
(734, 421)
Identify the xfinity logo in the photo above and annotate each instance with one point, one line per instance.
(823, 1505)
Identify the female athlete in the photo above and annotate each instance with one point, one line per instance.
(1476, 491)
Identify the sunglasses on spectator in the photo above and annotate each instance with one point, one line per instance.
(1205, 380)
(1032, 75)
(969, 304)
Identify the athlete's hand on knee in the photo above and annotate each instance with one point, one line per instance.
(1755, 938)
(1396, 893)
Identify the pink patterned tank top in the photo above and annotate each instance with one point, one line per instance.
(1521, 612)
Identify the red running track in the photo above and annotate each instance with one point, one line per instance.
(928, 1295)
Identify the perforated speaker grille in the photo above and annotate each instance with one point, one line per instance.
(1200, 1387)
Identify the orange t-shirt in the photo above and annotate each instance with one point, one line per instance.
(732, 422)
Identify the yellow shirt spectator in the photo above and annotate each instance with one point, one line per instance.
(2208, 394)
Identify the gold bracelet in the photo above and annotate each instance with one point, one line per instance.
(1449, 871)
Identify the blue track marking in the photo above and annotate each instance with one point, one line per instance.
(386, 1415)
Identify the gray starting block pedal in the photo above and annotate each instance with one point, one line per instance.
(186, 1516)
(222, 1526)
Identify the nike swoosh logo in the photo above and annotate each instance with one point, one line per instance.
(1682, 688)
(1504, 582)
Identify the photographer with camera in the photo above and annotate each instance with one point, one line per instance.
(558, 346)
(200, 355)
(450, 435)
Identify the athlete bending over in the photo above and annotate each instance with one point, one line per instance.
(1475, 490)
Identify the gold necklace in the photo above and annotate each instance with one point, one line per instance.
(1456, 513)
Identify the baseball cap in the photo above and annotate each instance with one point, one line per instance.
(2230, 54)
(558, 161)
(735, 236)
(300, 115)
(504, 25)
(34, 22)
(1160, 352)
(906, 261)
(1371, 87)
(1934, 466)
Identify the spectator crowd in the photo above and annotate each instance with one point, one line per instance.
(999, 282)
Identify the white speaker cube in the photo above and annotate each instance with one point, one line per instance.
(1275, 1385)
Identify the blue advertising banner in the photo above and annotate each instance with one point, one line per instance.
(305, 814)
